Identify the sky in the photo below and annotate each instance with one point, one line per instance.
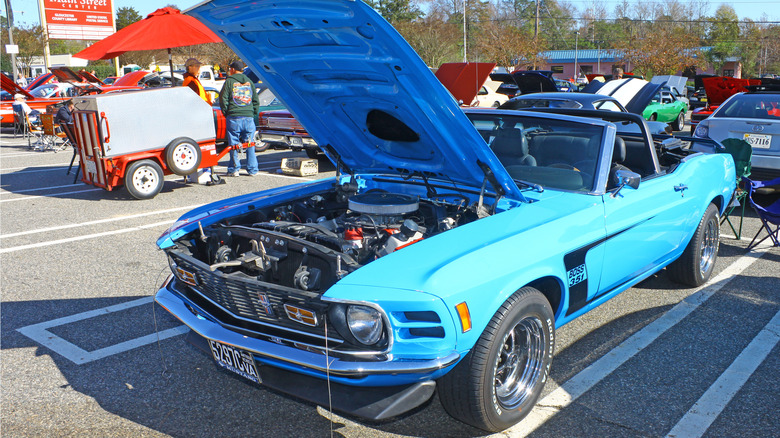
(26, 11)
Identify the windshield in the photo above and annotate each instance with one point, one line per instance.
(541, 103)
(751, 106)
(53, 90)
(558, 154)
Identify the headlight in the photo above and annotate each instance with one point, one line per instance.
(365, 324)
(702, 131)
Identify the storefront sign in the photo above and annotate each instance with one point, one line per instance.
(78, 19)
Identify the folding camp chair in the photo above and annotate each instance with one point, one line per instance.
(53, 136)
(69, 133)
(769, 214)
(742, 152)
(20, 125)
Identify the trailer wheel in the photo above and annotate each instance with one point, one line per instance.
(182, 156)
(144, 179)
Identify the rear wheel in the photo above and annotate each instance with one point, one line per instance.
(499, 381)
(695, 265)
(679, 122)
(653, 117)
(183, 156)
(144, 179)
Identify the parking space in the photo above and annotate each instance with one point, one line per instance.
(85, 352)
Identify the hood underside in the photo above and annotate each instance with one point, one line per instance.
(720, 88)
(634, 94)
(356, 86)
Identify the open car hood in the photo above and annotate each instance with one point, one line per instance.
(634, 94)
(357, 87)
(674, 82)
(464, 79)
(10, 86)
(720, 88)
(532, 81)
(65, 74)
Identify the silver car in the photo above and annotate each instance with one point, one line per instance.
(755, 118)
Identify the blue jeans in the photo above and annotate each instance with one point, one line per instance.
(241, 130)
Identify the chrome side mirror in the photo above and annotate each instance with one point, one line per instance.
(626, 178)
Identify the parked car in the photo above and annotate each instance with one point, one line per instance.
(580, 101)
(755, 118)
(525, 82)
(675, 85)
(451, 244)
(110, 80)
(718, 89)
(665, 107)
(566, 86)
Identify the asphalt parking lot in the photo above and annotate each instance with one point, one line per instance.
(85, 353)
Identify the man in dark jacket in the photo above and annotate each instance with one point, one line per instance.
(240, 105)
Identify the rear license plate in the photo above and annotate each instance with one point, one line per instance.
(236, 360)
(296, 141)
(759, 140)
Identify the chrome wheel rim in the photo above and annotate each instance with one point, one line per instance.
(184, 156)
(709, 246)
(519, 363)
(145, 179)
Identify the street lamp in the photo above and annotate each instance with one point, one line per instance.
(576, 42)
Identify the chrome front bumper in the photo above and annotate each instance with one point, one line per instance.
(203, 324)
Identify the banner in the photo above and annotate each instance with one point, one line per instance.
(78, 19)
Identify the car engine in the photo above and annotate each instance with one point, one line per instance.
(310, 243)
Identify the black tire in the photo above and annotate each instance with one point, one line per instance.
(695, 265)
(183, 156)
(474, 391)
(144, 179)
(679, 122)
(653, 117)
(260, 146)
(313, 153)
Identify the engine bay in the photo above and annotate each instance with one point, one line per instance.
(311, 242)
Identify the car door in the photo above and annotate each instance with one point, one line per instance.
(643, 226)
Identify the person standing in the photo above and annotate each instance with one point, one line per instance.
(240, 105)
(191, 78)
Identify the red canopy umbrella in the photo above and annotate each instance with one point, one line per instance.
(162, 29)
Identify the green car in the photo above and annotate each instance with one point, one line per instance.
(665, 107)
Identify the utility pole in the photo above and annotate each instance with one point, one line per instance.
(10, 18)
(464, 31)
(576, 43)
(536, 31)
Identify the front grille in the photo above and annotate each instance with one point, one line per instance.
(255, 301)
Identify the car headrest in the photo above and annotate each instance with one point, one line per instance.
(510, 142)
(619, 153)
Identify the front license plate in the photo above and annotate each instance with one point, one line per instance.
(760, 141)
(296, 141)
(236, 360)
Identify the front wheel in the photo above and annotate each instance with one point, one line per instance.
(679, 122)
(499, 381)
(260, 145)
(144, 179)
(695, 265)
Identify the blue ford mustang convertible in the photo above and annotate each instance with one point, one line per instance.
(449, 246)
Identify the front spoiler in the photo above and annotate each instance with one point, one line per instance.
(203, 324)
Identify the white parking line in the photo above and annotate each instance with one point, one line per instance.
(701, 415)
(40, 189)
(49, 195)
(85, 237)
(573, 388)
(40, 334)
(55, 167)
(100, 221)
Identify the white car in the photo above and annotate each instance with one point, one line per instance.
(755, 118)
(488, 96)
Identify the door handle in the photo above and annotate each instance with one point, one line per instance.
(681, 188)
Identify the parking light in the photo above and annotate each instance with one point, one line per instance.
(465, 316)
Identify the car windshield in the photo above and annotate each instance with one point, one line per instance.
(557, 154)
(751, 106)
(541, 103)
(52, 90)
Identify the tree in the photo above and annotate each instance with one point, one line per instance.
(396, 11)
(31, 42)
(126, 16)
(723, 35)
(663, 50)
(509, 46)
(434, 40)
